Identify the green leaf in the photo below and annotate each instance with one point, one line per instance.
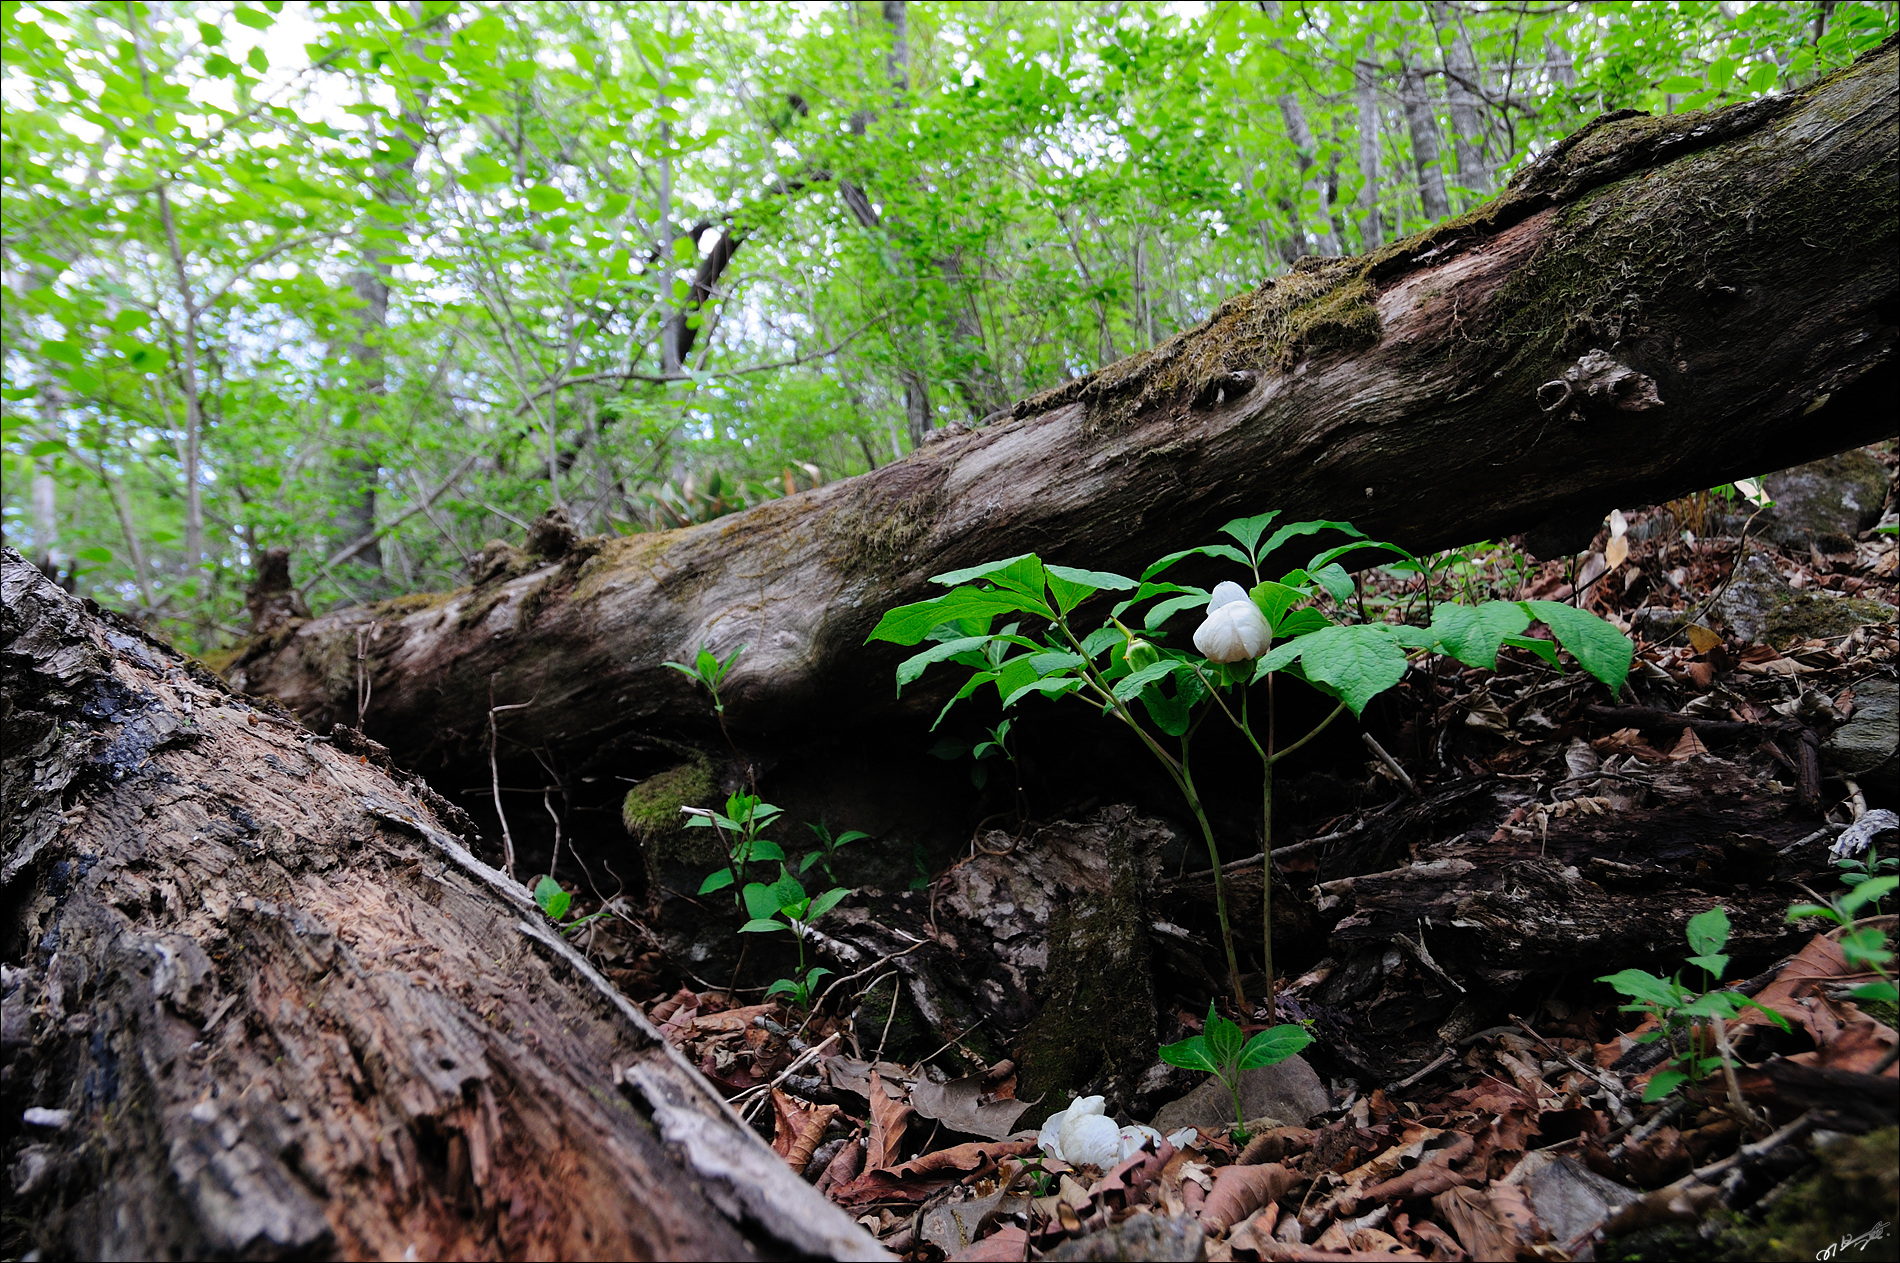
(252, 18)
(970, 686)
(1189, 1054)
(1797, 911)
(1336, 581)
(716, 881)
(1248, 530)
(1869, 891)
(761, 849)
(1359, 662)
(1542, 648)
(545, 198)
(760, 901)
(952, 578)
(909, 624)
(553, 900)
(1071, 587)
(1713, 963)
(761, 925)
(913, 667)
(825, 902)
(787, 891)
(782, 986)
(1131, 685)
(1708, 931)
(1274, 600)
(1293, 530)
(1472, 633)
(1270, 1047)
(1223, 1039)
(1162, 611)
(96, 555)
(1598, 647)
(1662, 1083)
(1054, 686)
(1642, 985)
(1876, 992)
(1301, 623)
(1226, 552)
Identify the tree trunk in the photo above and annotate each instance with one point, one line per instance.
(261, 1002)
(1422, 121)
(1656, 306)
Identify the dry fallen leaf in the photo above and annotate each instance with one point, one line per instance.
(798, 1127)
(1616, 552)
(1240, 1191)
(1701, 639)
(888, 1120)
(960, 1106)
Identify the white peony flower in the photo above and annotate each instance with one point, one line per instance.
(1235, 630)
(1083, 1136)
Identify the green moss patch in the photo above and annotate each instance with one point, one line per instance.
(651, 813)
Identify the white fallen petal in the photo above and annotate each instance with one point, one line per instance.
(41, 1117)
(1050, 1138)
(1135, 1136)
(1183, 1138)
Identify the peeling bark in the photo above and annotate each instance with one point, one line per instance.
(266, 1004)
(1458, 385)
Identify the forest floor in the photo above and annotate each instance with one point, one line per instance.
(1530, 1125)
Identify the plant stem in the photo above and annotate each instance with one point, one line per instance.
(1186, 782)
(1178, 772)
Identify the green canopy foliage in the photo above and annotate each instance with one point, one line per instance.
(405, 275)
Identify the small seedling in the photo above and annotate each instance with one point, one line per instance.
(739, 827)
(1683, 1010)
(1219, 1051)
(555, 902)
(711, 671)
(829, 846)
(1863, 947)
(1857, 870)
(787, 898)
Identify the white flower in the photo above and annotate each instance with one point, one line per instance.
(1083, 1136)
(1235, 630)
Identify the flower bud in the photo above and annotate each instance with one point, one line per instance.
(1235, 630)
(1141, 654)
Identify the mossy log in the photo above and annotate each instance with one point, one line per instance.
(260, 1002)
(1654, 306)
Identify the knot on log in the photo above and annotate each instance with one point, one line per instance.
(1598, 380)
(1222, 387)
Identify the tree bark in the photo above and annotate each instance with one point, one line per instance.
(1422, 121)
(1656, 306)
(261, 1002)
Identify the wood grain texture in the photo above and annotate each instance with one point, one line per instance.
(288, 1014)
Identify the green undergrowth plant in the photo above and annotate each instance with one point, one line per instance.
(1218, 1050)
(1864, 947)
(556, 902)
(711, 671)
(738, 827)
(1301, 624)
(1691, 1020)
(786, 898)
(829, 844)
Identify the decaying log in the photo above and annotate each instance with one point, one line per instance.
(260, 1001)
(1657, 305)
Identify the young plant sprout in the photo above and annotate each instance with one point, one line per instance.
(739, 827)
(1218, 1050)
(1276, 627)
(787, 898)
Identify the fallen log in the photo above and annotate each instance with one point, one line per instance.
(1654, 306)
(260, 1001)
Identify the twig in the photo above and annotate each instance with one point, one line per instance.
(357, 545)
(826, 993)
(494, 777)
(1414, 1077)
(1391, 764)
(764, 1090)
(1609, 1085)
